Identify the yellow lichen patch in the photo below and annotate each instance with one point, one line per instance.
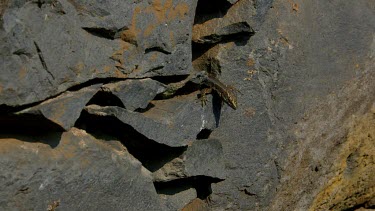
(353, 182)
(129, 35)
(171, 38)
(22, 73)
(196, 204)
(180, 11)
(133, 31)
(119, 74)
(154, 56)
(164, 12)
(150, 28)
(160, 10)
(107, 69)
(78, 68)
(250, 62)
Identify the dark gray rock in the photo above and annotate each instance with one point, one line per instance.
(65, 109)
(76, 171)
(296, 60)
(135, 94)
(285, 57)
(202, 158)
(49, 46)
(174, 122)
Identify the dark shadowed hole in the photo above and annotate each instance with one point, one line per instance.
(105, 99)
(30, 128)
(94, 81)
(204, 134)
(151, 154)
(169, 79)
(217, 104)
(358, 206)
(101, 32)
(210, 9)
(198, 49)
(202, 184)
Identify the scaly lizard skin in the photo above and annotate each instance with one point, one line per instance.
(227, 93)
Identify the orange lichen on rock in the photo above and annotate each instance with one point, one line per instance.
(196, 205)
(22, 73)
(165, 13)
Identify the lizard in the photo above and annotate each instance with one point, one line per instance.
(227, 93)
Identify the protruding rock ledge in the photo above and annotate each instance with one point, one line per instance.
(202, 158)
(65, 109)
(174, 122)
(76, 172)
(135, 94)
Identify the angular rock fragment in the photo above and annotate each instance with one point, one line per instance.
(135, 94)
(78, 173)
(65, 109)
(174, 122)
(202, 158)
(232, 26)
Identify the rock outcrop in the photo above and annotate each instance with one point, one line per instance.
(99, 110)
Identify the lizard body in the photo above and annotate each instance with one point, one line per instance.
(227, 93)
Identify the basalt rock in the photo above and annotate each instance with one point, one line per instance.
(70, 171)
(300, 139)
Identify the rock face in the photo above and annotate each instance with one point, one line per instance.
(79, 168)
(91, 119)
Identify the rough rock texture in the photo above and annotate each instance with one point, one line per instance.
(300, 139)
(50, 46)
(202, 158)
(72, 168)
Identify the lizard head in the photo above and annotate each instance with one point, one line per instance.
(232, 101)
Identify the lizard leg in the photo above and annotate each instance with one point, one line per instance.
(203, 95)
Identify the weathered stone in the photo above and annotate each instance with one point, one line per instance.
(47, 47)
(179, 200)
(174, 122)
(292, 63)
(291, 60)
(135, 94)
(202, 158)
(353, 182)
(75, 172)
(333, 163)
(65, 109)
